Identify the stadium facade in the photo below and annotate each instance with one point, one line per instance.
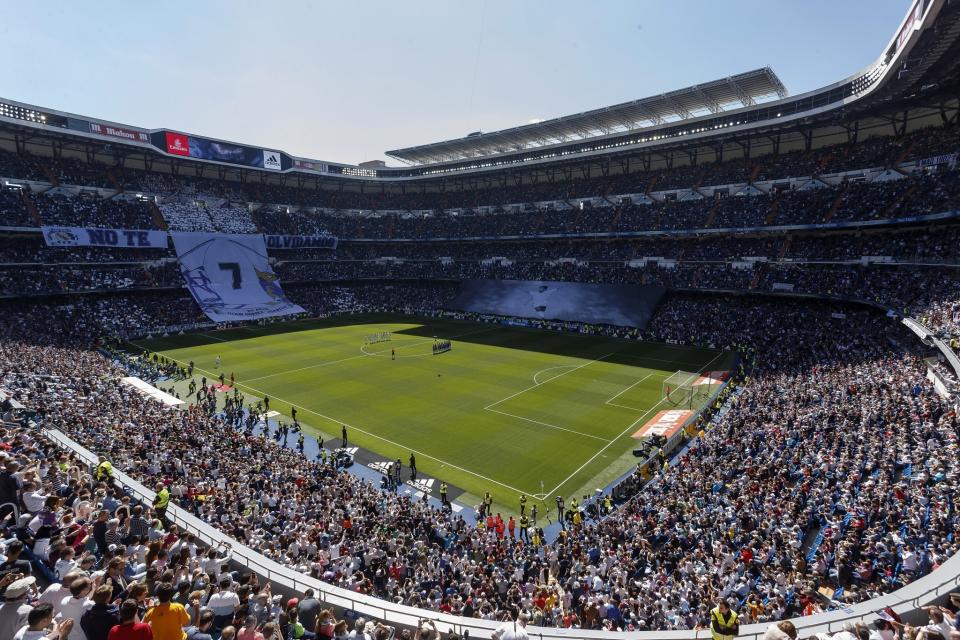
(910, 85)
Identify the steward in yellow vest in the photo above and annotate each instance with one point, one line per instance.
(724, 623)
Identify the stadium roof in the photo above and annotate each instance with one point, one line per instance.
(741, 90)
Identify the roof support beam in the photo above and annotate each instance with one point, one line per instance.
(711, 104)
(679, 109)
(742, 95)
(649, 115)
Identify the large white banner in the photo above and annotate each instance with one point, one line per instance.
(96, 237)
(229, 276)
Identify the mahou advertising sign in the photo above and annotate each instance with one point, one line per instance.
(119, 132)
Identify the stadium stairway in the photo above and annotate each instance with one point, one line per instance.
(49, 173)
(651, 184)
(896, 202)
(774, 210)
(700, 178)
(573, 225)
(157, 216)
(903, 155)
(31, 208)
(712, 214)
(758, 276)
(837, 201)
(537, 222)
(785, 247)
(615, 221)
(112, 179)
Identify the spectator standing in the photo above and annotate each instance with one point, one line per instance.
(75, 605)
(97, 621)
(161, 501)
(309, 609)
(166, 618)
(224, 603)
(130, 627)
(515, 629)
(202, 630)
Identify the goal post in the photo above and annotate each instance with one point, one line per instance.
(680, 389)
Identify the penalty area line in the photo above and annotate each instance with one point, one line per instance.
(547, 424)
(562, 366)
(535, 385)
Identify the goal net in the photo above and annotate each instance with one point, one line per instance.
(681, 389)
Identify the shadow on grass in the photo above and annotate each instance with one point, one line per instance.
(571, 345)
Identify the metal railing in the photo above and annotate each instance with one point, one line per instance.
(928, 337)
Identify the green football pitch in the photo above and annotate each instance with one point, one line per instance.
(509, 410)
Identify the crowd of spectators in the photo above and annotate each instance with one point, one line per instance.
(202, 215)
(827, 478)
(939, 244)
(886, 285)
(279, 220)
(73, 278)
(92, 211)
(918, 194)
(13, 209)
(873, 152)
(833, 471)
(197, 204)
(32, 249)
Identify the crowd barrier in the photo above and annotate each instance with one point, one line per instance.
(928, 337)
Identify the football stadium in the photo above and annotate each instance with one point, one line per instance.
(683, 367)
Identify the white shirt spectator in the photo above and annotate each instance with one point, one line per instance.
(54, 595)
(224, 603)
(71, 607)
(511, 631)
(34, 500)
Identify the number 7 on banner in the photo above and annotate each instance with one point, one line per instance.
(235, 268)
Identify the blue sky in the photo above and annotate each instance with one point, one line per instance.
(344, 81)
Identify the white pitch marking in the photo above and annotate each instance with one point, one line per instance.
(624, 432)
(312, 366)
(562, 366)
(606, 446)
(547, 424)
(534, 386)
(610, 401)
